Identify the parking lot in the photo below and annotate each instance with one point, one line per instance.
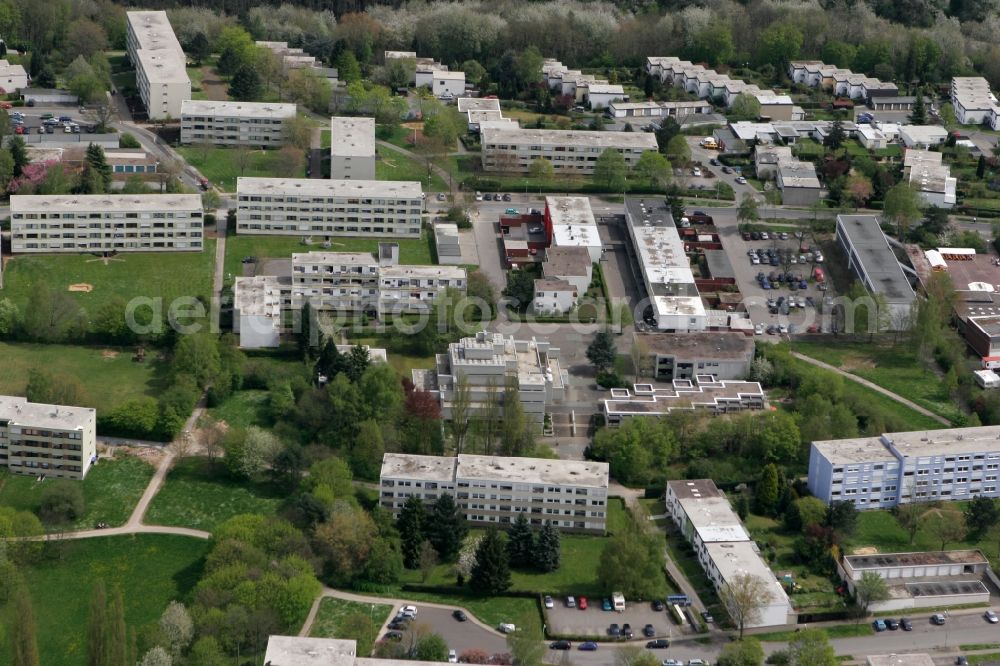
(564, 621)
(27, 121)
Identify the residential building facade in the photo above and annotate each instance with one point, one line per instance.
(569, 494)
(570, 151)
(160, 64)
(352, 148)
(12, 77)
(328, 208)
(106, 223)
(907, 467)
(258, 124)
(723, 545)
(724, 354)
(47, 440)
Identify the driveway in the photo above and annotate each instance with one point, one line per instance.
(699, 154)
(460, 636)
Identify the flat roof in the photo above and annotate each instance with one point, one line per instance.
(605, 88)
(733, 558)
(910, 659)
(397, 189)
(406, 270)
(20, 412)
(570, 210)
(683, 394)
(338, 258)
(553, 284)
(910, 444)
(423, 468)
(923, 133)
(445, 74)
(307, 651)
(352, 137)
(725, 345)
(163, 66)
(694, 488)
(877, 259)
(563, 260)
(533, 470)
(258, 296)
(260, 110)
(466, 104)
(797, 174)
(153, 31)
(854, 450)
(624, 140)
(893, 560)
(83, 203)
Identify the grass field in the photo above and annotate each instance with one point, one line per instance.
(201, 495)
(411, 251)
(332, 613)
(837, 631)
(108, 380)
(895, 368)
(392, 165)
(242, 409)
(166, 275)
(151, 570)
(196, 74)
(110, 491)
(221, 166)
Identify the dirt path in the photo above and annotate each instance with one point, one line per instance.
(875, 387)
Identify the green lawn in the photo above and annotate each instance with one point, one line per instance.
(221, 165)
(196, 74)
(880, 530)
(243, 409)
(151, 570)
(392, 165)
(166, 275)
(324, 138)
(837, 631)
(411, 251)
(201, 495)
(895, 368)
(332, 613)
(108, 375)
(110, 491)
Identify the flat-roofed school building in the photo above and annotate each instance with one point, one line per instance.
(313, 207)
(235, 123)
(106, 223)
(54, 440)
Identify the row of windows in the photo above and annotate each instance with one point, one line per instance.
(54, 434)
(106, 215)
(297, 228)
(229, 119)
(378, 219)
(563, 149)
(332, 200)
(118, 245)
(31, 226)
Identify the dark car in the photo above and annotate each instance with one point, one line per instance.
(726, 169)
(746, 235)
(396, 625)
(589, 646)
(658, 605)
(506, 197)
(893, 625)
(905, 624)
(459, 615)
(393, 636)
(648, 631)
(961, 661)
(707, 617)
(754, 235)
(561, 645)
(627, 630)
(714, 162)
(658, 644)
(614, 630)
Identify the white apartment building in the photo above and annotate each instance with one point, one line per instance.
(656, 109)
(570, 222)
(486, 362)
(930, 178)
(12, 77)
(258, 303)
(51, 440)
(570, 151)
(664, 267)
(601, 95)
(904, 467)
(922, 136)
(568, 494)
(352, 148)
(328, 208)
(973, 101)
(106, 223)
(258, 124)
(723, 546)
(160, 64)
(702, 392)
(447, 84)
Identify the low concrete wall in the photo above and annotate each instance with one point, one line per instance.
(60, 138)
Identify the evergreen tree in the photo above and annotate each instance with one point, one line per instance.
(520, 542)
(245, 84)
(200, 48)
(981, 167)
(357, 361)
(23, 638)
(19, 151)
(742, 506)
(918, 116)
(491, 573)
(674, 202)
(305, 333)
(331, 362)
(97, 161)
(410, 525)
(768, 492)
(601, 351)
(446, 528)
(547, 549)
(835, 139)
(97, 627)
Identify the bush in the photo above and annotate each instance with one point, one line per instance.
(61, 502)
(611, 380)
(128, 141)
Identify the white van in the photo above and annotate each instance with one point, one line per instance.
(618, 601)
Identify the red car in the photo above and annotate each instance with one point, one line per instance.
(19, 129)
(6, 105)
(582, 603)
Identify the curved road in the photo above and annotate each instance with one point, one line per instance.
(875, 387)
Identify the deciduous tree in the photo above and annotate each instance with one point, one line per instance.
(745, 652)
(870, 588)
(744, 596)
(610, 171)
(23, 631)
(981, 514)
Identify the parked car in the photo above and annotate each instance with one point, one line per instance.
(606, 605)
(672, 662)
(648, 631)
(658, 606)
(707, 617)
(614, 630)
(459, 615)
(46, 116)
(758, 329)
(991, 617)
(627, 630)
(588, 646)
(409, 611)
(506, 197)
(548, 602)
(452, 657)
(658, 644)
(891, 624)
(741, 180)
(878, 625)
(65, 119)
(582, 604)
(440, 196)
(570, 602)
(479, 196)
(511, 211)
(697, 662)
(714, 162)
(506, 628)
(938, 619)
(960, 660)
(726, 169)
(561, 645)
(904, 623)
(393, 636)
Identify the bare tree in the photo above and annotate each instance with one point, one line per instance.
(744, 597)
(242, 157)
(490, 417)
(640, 357)
(459, 424)
(167, 170)
(100, 114)
(211, 438)
(945, 526)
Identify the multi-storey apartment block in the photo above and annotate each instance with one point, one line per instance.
(352, 148)
(703, 392)
(568, 494)
(905, 467)
(160, 64)
(513, 150)
(723, 546)
(309, 207)
(106, 223)
(234, 123)
(486, 362)
(49, 440)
